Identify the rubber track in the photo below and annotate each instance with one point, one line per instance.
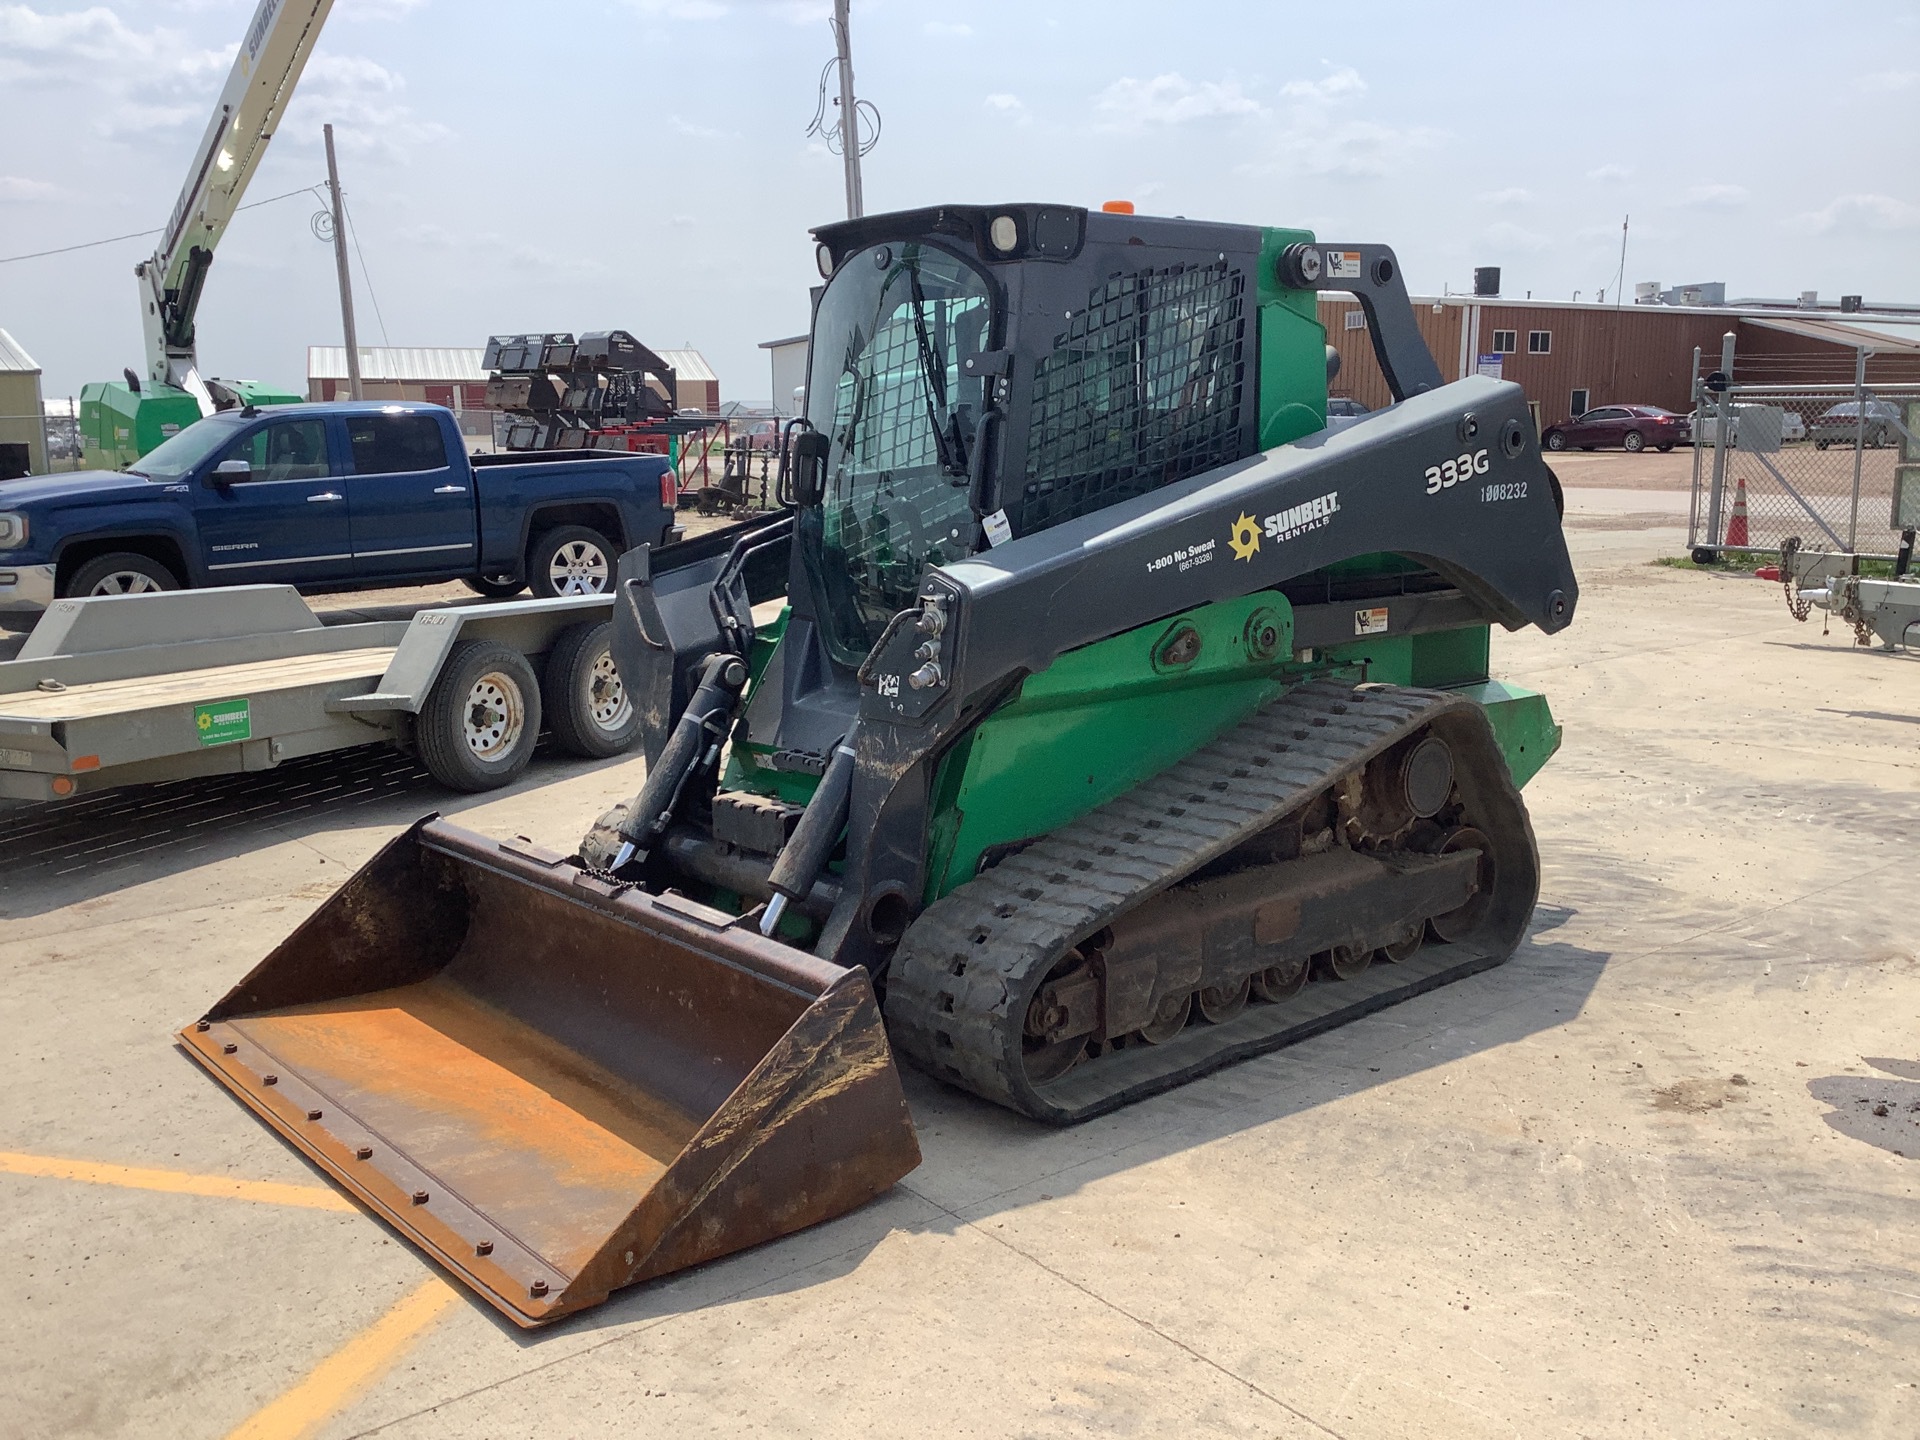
(960, 982)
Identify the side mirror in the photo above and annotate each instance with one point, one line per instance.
(807, 477)
(229, 472)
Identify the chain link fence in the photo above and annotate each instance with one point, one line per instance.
(1823, 462)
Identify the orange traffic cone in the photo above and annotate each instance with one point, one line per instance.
(1737, 521)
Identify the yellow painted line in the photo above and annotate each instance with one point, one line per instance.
(175, 1182)
(347, 1373)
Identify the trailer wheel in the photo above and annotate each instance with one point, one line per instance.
(587, 707)
(482, 717)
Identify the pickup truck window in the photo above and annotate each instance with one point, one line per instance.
(177, 458)
(395, 444)
(284, 450)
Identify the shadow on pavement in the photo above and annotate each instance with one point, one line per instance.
(57, 855)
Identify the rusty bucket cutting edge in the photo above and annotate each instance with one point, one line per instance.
(554, 1087)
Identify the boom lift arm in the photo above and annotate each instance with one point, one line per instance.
(272, 54)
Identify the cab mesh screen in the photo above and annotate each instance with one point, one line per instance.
(1144, 387)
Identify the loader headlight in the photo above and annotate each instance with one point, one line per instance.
(823, 260)
(13, 531)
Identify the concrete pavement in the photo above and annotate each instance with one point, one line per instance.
(1634, 1183)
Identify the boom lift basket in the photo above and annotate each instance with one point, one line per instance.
(557, 1085)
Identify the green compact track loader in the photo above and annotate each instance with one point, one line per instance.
(1092, 717)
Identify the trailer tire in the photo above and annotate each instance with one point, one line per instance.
(121, 572)
(482, 717)
(587, 707)
(571, 560)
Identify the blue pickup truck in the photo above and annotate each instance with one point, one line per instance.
(335, 496)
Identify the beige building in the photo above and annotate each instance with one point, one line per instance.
(23, 423)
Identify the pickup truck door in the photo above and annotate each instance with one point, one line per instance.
(411, 501)
(287, 520)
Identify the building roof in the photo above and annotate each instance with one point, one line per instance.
(444, 364)
(1832, 332)
(780, 344)
(13, 358)
(688, 365)
(437, 364)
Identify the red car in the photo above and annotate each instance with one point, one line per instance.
(1631, 427)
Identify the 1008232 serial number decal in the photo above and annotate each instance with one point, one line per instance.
(1510, 490)
(1449, 473)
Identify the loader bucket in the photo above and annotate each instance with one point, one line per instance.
(554, 1086)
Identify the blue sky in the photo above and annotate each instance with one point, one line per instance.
(642, 164)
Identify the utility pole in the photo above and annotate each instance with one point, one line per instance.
(849, 114)
(346, 280)
(1620, 280)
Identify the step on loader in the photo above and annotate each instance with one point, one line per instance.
(1092, 713)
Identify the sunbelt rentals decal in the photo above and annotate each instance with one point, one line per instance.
(1283, 525)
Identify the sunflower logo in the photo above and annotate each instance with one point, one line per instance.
(1245, 538)
(204, 721)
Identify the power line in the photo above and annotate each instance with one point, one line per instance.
(353, 234)
(141, 234)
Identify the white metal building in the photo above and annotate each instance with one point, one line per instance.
(23, 425)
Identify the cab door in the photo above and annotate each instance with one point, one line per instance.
(284, 518)
(411, 502)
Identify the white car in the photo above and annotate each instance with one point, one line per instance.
(1707, 424)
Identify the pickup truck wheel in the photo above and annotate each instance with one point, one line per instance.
(571, 560)
(482, 717)
(587, 707)
(494, 587)
(120, 573)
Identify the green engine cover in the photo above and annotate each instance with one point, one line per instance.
(118, 426)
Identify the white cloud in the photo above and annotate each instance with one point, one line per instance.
(18, 189)
(1505, 235)
(947, 29)
(361, 99)
(1512, 195)
(1717, 197)
(1887, 80)
(681, 126)
(1860, 212)
(1342, 82)
(1313, 144)
(1007, 107)
(142, 81)
(1172, 99)
(1611, 171)
(375, 9)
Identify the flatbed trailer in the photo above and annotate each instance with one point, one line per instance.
(129, 689)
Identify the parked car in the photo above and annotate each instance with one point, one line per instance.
(334, 496)
(1631, 427)
(1839, 424)
(1342, 411)
(1702, 432)
(761, 435)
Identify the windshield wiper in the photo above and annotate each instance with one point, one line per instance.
(951, 448)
